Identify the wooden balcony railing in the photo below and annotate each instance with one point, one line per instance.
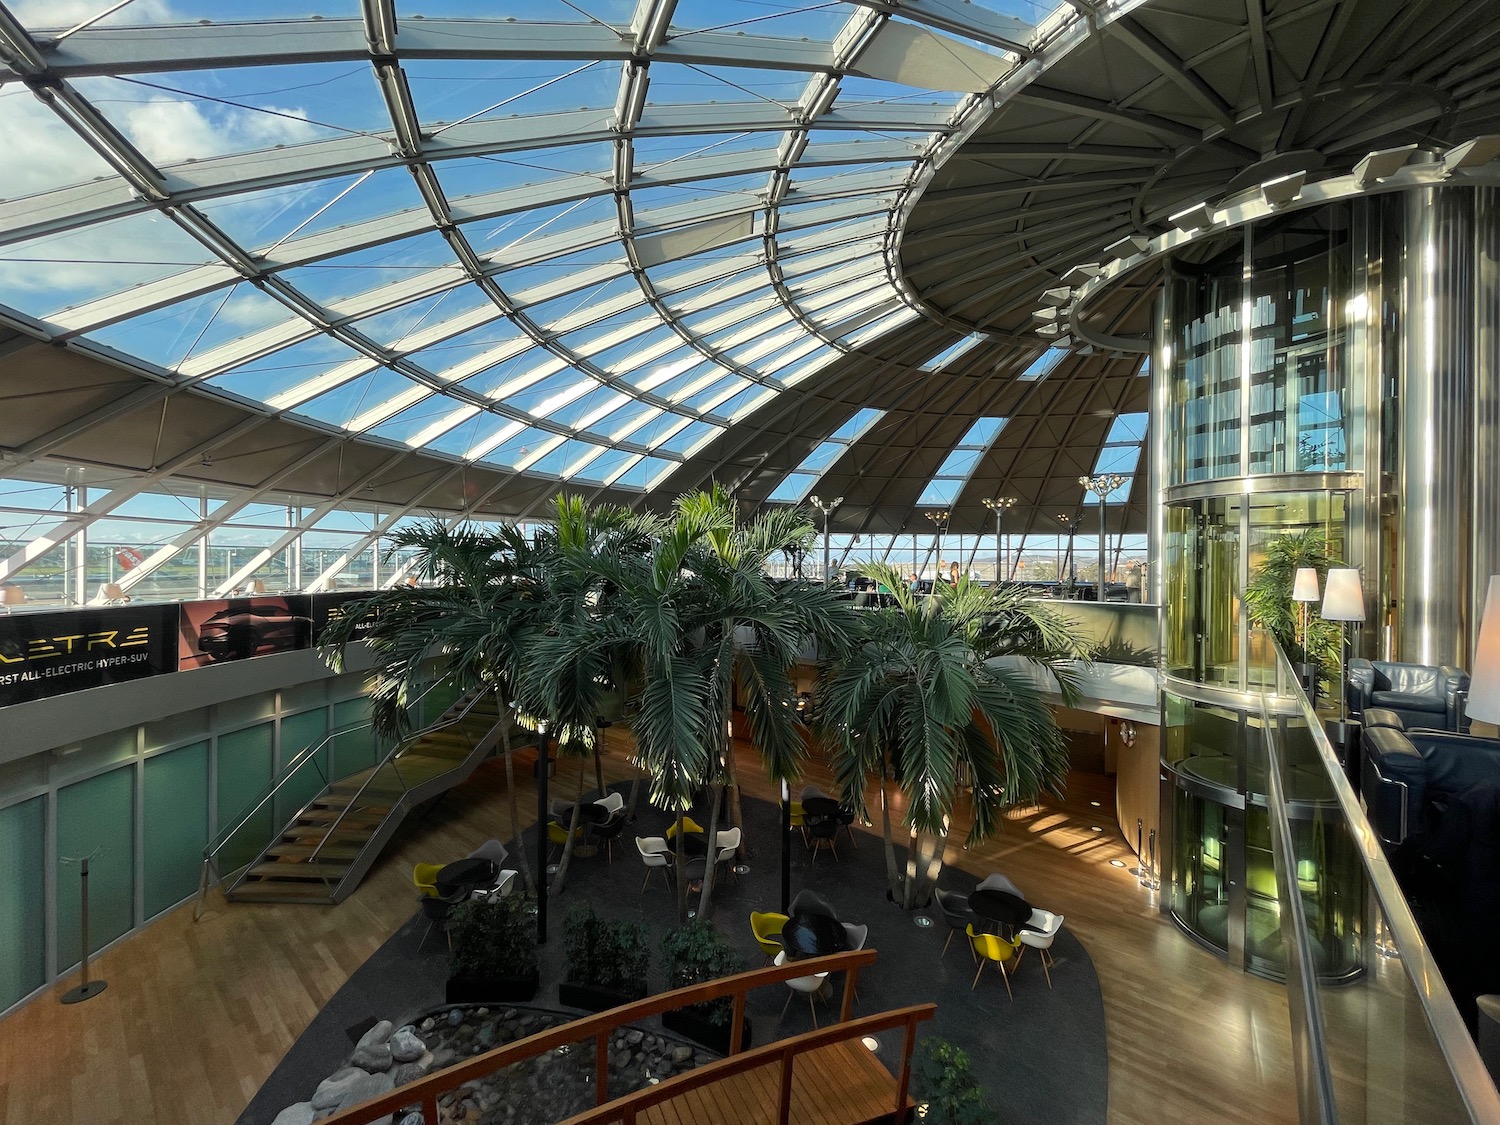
(426, 1091)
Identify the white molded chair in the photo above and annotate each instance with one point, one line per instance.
(613, 802)
(726, 844)
(657, 856)
(808, 986)
(1041, 940)
(494, 850)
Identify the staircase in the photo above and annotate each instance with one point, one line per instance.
(323, 853)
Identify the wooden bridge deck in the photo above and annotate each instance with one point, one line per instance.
(840, 1084)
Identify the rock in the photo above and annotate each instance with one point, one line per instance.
(302, 1113)
(681, 1055)
(482, 1012)
(364, 1087)
(413, 1118)
(455, 1017)
(427, 1025)
(373, 1052)
(407, 1072)
(332, 1089)
(406, 1047)
(621, 1060)
(634, 1037)
(443, 1056)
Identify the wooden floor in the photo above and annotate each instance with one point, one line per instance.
(841, 1084)
(196, 1015)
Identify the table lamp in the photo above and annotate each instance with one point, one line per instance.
(1343, 601)
(1484, 685)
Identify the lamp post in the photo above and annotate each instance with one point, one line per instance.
(1101, 486)
(999, 505)
(826, 507)
(1070, 523)
(939, 520)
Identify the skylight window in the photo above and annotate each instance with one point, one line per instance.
(1120, 453)
(948, 355)
(799, 482)
(1042, 365)
(960, 464)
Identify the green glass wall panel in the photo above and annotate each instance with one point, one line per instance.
(94, 818)
(354, 749)
(244, 776)
(298, 732)
(23, 945)
(175, 825)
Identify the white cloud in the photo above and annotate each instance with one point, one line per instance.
(40, 151)
(59, 15)
(169, 131)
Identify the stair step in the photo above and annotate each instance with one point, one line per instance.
(299, 872)
(281, 892)
(365, 815)
(335, 851)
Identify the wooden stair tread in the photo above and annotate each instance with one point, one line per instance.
(298, 871)
(279, 891)
(334, 851)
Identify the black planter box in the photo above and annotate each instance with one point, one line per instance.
(694, 1025)
(492, 990)
(592, 998)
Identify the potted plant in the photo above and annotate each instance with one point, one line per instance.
(695, 954)
(494, 951)
(606, 962)
(941, 1081)
(1315, 653)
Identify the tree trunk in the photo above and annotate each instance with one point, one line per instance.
(598, 761)
(909, 883)
(892, 875)
(934, 865)
(635, 796)
(679, 867)
(562, 867)
(732, 790)
(517, 842)
(705, 899)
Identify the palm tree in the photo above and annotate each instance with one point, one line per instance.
(484, 601)
(1268, 597)
(681, 625)
(918, 701)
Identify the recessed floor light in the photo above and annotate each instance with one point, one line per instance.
(551, 869)
(1095, 828)
(871, 1042)
(1117, 863)
(922, 920)
(1094, 803)
(742, 869)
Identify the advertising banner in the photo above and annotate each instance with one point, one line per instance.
(47, 654)
(226, 629)
(328, 607)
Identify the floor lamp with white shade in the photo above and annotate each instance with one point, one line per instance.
(1344, 601)
(1484, 685)
(1304, 593)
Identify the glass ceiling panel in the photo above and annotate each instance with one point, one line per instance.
(391, 329)
(43, 276)
(580, 412)
(552, 313)
(734, 191)
(463, 437)
(854, 90)
(644, 473)
(342, 405)
(171, 335)
(654, 348)
(655, 154)
(449, 90)
(373, 268)
(54, 16)
(477, 175)
(606, 465)
(267, 218)
(274, 374)
(753, 17)
(408, 423)
(519, 445)
(188, 115)
(696, 85)
(563, 386)
(491, 336)
(510, 232)
(616, 13)
(688, 437)
(41, 153)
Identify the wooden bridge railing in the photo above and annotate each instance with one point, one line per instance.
(426, 1091)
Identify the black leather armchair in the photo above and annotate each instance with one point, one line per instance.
(1424, 695)
(1410, 778)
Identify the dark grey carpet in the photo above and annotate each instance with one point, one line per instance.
(1041, 1057)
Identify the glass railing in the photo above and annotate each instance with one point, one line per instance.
(1119, 632)
(1384, 1043)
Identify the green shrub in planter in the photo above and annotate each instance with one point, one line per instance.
(697, 953)
(494, 950)
(609, 959)
(941, 1079)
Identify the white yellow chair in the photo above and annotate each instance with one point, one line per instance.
(991, 947)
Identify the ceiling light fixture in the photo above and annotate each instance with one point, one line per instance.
(1046, 312)
(1083, 272)
(1047, 329)
(1058, 295)
(1196, 217)
(1283, 189)
(1471, 154)
(1128, 246)
(1382, 163)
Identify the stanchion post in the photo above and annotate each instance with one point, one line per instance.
(87, 988)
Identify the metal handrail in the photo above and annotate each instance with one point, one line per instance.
(221, 839)
(1449, 1034)
(447, 719)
